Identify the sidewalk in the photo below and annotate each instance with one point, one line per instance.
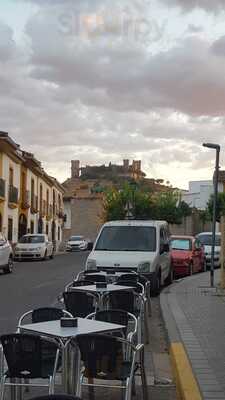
(194, 315)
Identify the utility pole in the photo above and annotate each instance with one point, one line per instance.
(215, 182)
(222, 252)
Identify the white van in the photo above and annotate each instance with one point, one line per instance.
(142, 246)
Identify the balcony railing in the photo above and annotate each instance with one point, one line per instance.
(34, 204)
(2, 188)
(26, 199)
(13, 194)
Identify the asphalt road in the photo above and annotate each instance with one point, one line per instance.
(35, 284)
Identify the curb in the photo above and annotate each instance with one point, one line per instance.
(186, 384)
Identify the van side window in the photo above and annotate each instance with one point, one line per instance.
(164, 240)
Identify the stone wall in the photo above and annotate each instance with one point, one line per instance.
(191, 225)
(85, 217)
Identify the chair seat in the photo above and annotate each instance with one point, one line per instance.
(122, 374)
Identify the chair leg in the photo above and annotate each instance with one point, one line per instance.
(143, 377)
(27, 389)
(2, 387)
(146, 330)
(51, 385)
(128, 389)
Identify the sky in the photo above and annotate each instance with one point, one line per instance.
(101, 81)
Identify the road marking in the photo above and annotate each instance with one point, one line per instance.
(187, 386)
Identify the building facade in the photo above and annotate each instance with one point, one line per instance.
(31, 201)
(199, 193)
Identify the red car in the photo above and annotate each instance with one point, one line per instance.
(187, 255)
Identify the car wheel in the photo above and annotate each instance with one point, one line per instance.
(8, 269)
(190, 271)
(204, 266)
(45, 255)
(155, 289)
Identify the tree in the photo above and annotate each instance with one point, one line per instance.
(220, 206)
(142, 205)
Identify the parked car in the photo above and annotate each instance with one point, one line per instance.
(6, 255)
(142, 246)
(34, 246)
(77, 243)
(187, 255)
(206, 240)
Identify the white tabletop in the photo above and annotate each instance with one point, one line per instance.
(84, 326)
(109, 288)
(110, 273)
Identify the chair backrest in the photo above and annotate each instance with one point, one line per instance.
(113, 316)
(44, 314)
(122, 300)
(138, 287)
(83, 282)
(56, 397)
(78, 303)
(24, 354)
(95, 278)
(128, 277)
(102, 356)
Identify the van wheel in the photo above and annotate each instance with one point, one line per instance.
(169, 279)
(155, 288)
(8, 269)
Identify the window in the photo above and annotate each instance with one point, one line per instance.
(32, 193)
(32, 239)
(47, 198)
(11, 176)
(47, 228)
(10, 229)
(181, 244)
(31, 226)
(127, 238)
(41, 197)
(59, 232)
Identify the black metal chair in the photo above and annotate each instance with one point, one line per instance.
(78, 283)
(127, 277)
(105, 358)
(43, 314)
(27, 359)
(80, 304)
(56, 397)
(119, 317)
(95, 278)
(133, 303)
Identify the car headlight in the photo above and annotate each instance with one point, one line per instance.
(144, 267)
(37, 249)
(91, 264)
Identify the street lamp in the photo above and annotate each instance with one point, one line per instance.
(215, 182)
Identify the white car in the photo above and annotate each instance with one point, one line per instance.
(34, 246)
(6, 255)
(206, 240)
(77, 243)
(142, 246)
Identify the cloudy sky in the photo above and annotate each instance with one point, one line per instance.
(103, 80)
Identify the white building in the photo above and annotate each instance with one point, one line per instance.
(199, 193)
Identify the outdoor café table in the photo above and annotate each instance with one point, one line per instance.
(101, 291)
(63, 335)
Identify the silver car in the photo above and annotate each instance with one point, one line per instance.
(6, 255)
(206, 240)
(34, 246)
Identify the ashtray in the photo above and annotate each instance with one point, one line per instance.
(68, 322)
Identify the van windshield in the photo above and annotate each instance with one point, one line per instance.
(127, 238)
(207, 240)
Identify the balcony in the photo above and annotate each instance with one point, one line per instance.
(34, 204)
(25, 204)
(43, 208)
(49, 212)
(13, 196)
(2, 189)
(60, 213)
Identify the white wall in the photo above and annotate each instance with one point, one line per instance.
(67, 211)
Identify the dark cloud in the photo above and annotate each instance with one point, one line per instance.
(187, 5)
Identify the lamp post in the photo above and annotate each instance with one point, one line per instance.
(215, 182)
